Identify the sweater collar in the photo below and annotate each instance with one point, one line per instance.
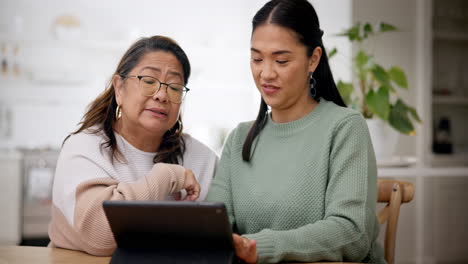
(126, 147)
(288, 128)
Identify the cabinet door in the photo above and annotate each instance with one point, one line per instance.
(449, 83)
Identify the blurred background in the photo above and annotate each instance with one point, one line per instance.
(57, 56)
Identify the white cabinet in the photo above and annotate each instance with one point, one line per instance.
(10, 197)
(449, 79)
(434, 54)
(432, 48)
(432, 228)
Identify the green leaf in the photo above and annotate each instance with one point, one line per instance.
(332, 53)
(384, 27)
(413, 113)
(345, 90)
(358, 33)
(398, 76)
(399, 119)
(363, 62)
(361, 59)
(381, 75)
(379, 102)
(352, 33)
(367, 30)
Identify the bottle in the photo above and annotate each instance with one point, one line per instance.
(442, 139)
(4, 59)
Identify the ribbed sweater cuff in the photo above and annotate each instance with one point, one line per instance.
(177, 173)
(265, 246)
(163, 180)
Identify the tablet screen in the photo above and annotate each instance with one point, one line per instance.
(169, 224)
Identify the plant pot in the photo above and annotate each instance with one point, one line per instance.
(384, 139)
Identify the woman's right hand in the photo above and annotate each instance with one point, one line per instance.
(191, 186)
(246, 249)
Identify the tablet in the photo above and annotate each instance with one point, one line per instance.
(170, 230)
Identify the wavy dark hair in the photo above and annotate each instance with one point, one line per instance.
(300, 17)
(101, 111)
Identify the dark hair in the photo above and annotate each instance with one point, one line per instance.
(102, 110)
(299, 16)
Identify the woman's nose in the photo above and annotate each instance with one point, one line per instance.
(267, 72)
(161, 94)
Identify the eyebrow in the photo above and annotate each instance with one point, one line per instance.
(278, 52)
(159, 70)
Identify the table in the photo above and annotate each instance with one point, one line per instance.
(45, 255)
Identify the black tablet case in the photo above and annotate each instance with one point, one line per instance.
(170, 232)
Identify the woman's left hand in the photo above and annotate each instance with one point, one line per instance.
(246, 249)
(191, 186)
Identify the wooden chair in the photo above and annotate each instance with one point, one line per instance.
(394, 193)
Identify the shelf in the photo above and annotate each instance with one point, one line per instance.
(451, 99)
(454, 36)
(414, 172)
(102, 45)
(449, 160)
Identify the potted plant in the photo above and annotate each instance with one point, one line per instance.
(374, 90)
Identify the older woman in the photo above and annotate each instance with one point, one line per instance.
(129, 147)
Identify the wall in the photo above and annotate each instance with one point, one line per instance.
(51, 80)
(60, 77)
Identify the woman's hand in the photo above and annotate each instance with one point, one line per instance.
(191, 186)
(246, 249)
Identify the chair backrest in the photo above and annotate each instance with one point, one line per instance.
(393, 193)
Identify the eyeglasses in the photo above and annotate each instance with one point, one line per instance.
(150, 86)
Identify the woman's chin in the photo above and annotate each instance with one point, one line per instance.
(155, 128)
(272, 102)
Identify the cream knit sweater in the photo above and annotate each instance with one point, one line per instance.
(86, 175)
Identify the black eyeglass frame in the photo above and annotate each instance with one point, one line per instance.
(184, 91)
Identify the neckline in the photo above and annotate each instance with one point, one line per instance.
(288, 128)
(133, 148)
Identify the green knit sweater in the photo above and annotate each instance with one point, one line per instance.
(309, 192)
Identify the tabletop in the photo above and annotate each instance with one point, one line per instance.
(45, 255)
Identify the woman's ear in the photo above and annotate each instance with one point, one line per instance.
(314, 60)
(117, 82)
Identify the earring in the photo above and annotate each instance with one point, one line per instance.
(174, 130)
(312, 84)
(180, 126)
(118, 112)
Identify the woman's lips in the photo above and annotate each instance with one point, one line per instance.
(269, 89)
(159, 113)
